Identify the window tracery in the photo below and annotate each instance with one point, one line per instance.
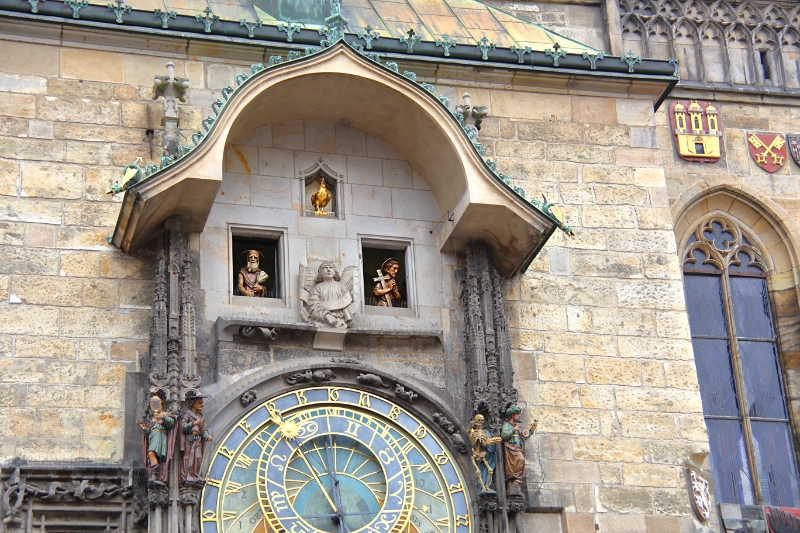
(736, 356)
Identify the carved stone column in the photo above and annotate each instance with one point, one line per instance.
(173, 90)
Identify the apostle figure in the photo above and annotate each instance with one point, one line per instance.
(192, 438)
(329, 301)
(159, 441)
(514, 448)
(386, 293)
(252, 280)
(483, 453)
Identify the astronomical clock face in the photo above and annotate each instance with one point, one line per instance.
(333, 460)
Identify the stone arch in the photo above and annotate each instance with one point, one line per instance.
(776, 17)
(712, 48)
(634, 35)
(643, 8)
(659, 37)
(767, 56)
(670, 10)
(790, 52)
(723, 12)
(340, 85)
(794, 17)
(748, 15)
(696, 11)
(686, 43)
(740, 55)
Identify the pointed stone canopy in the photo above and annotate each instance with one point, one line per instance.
(341, 85)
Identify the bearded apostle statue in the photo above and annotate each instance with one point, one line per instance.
(192, 438)
(252, 281)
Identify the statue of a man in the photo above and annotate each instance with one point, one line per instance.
(483, 453)
(514, 447)
(192, 438)
(159, 440)
(252, 280)
(386, 292)
(329, 302)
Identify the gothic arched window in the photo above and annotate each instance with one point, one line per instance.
(735, 348)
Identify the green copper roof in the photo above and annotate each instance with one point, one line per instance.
(464, 21)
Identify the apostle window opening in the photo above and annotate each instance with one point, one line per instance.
(256, 267)
(385, 277)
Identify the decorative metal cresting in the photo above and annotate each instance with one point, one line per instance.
(630, 59)
(593, 59)
(290, 28)
(555, 53)
(410, 39)
(368, 35)
(165, 17)
(446, 43)
(485, 47)
(207, 19)
(119, 8)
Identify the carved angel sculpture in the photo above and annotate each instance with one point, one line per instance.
(328, 298)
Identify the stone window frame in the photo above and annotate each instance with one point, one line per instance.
(391, 243)
(754, 223)
(321, 168)
(260, 232)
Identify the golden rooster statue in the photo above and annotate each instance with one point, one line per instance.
(320, 199)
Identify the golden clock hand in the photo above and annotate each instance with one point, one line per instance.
(316, 478)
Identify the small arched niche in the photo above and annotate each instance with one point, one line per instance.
(310, 183)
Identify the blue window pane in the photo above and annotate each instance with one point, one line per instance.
(717, 390)
(751, 307)
(704, 300)
(729, 462)
(775, 461)
(761, 379)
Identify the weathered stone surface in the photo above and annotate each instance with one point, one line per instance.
(93, 349)
(88, 153)
(555, 446)
(681, 375)
(561, 420)
(38, 290)
(618, 195)
(71, 396)
(28, 261)
(75, 110)
(30, 210)
(12, 233)
(671, 324)
(33, 149)
(99, 179)
(556, 394)
(109, 373)
(577, 194)
(579, 344)
(578, 153)
(661, 266)
(565, 290)
(538, 316)
(607, 135)
(16, 319)
(641, 241)
(40, 235)
(594, 397)
(693, 427)
(560, 368)
(665, 349)
(653, 374)
(608, 217)
(621, 523)
(530, 106)
(86, 214)
(613, 371)
(670, 452)
(571, 472)
(136, 294)
(551, 131)
(125, 266)
(671, 502)
(645, 425)
(624, 500)
(36, 347)
(21, 371)
(68, 372)
(607, 174)
(9, 178)
(614, 321)
(47, 180)
(25, 57)
(664, 295)
(81, 238)
(100, 293)
(81, 88)
(17, 105)
(103, 323)
(654, 218)
(658, 400)
(86, 64)
(526, 150)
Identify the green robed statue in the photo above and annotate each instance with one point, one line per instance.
(514, 448)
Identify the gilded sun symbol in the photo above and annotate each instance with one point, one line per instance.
(426, 508)
(289, 429)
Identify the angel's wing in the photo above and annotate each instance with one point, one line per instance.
(307, 276)
(350, 280)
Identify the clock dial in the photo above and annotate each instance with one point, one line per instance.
(333, 460)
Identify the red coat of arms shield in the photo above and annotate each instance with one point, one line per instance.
(768, 150)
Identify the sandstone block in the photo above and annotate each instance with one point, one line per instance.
(670, 452)
(98, 180)
(639, 241)
(38, 290)
(40, 235)
(610, 473)
(579, 344)
(664, 295)
(127, 350)
(594, 397)
(80, 88)
(526, 340)
(68, 372)
(94, 65)
(21, 371)
(637, 424)
(537, 316)
(88, 153)
(26, 58)
(555, 446)
(565, 290)
(663, 349)
(20, 261)
(524, 364)
(12, 395)
(9, 176)
(93, 349)
(653, 374)
(134, 115)
(606, 449)
(106, 323)
(31, 422)
(654, 218)
(577, 194)
(616, 195)
(579, 319)
(124, 266)
(621, 523)
(102, 423)
(74, 110)
(134, 294)
(86, 214)
(637, 157)
(612, 371)
(608, 217)
(83, 238)
(45, 347)
(612, 321)
(14, 127)
(644, 137)
(571, 472)
(52, 395)
(663, 524)
(12, 234)
(594, 110)
(109, 373)
(5, 342)
(101, 293)
(661, 266)
(561, 420)
(560, 368)
(80, 264)
(607, 174)
(20, 83)
(530, 105)
(557, 394)
(649, 177)
(578, 153)
(624, 500)
(635, 112)
(17, 105)
(693, 427)
(586, 239)
(671, 502)
(551, 131)
(32, 149)
(40, 129)
(124, 92)
(672, 324)
(49, 180)
(525, 150)
(608, 135)
(658, 400)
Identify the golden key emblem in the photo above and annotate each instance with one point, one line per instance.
(777, 143)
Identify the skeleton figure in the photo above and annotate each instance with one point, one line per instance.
(328, 298)
(483, 453)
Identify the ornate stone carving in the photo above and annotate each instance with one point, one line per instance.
(458, 442)
(328, 299)
(310, 376)
(700, 496)
(173, 90)
(444, 423)
(372, 380)
(404, 393)
(248, 397)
